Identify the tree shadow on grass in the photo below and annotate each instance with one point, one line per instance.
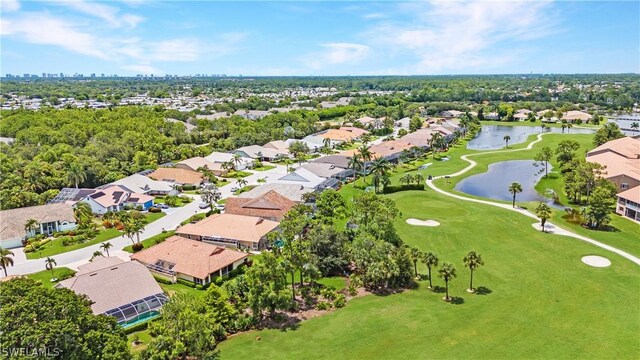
(282, 321)
(456, 300)
(438, 289)
(483, 290)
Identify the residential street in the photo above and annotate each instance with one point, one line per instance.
(172, 220)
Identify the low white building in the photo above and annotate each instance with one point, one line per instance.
(50, 218)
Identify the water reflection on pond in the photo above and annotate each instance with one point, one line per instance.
(494, 184)
(491, 137)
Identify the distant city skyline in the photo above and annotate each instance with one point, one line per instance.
(318, 38)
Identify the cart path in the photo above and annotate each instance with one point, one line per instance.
(549, 227)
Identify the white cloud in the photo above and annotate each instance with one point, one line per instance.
(453, 36)
(9, 6)
(143, 68)
(374, 16)
(41, 28)
(110, 14)
(337, 54)
(175, 50)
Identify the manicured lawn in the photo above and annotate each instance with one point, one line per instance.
(180, 203)
(542, 302)
(337, 282)
(151, 241)
(264, 168)
(244, 189)
(236, 175)
(143, 336)
(44, 276)
(173, 289)
(55, 247)
(151, 217)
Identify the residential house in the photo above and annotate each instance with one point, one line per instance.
(522, 114)
(124, 290)
(188, 127)
(196, 261)
(279, 145)
(299, 176)
(177, 175)
(343, 134)
(622, 160)
(451, 113)
(270, 205)
(116, 198)
(251, 114)
(230, 230)
(215, 116)
(261, 153)
(628, 203)
(574, 115)
(50, 218)
(328, 170)
(141, 184)
(492, 116)
(220, 158)
(71, 195)
(338, 160)
(198, 162)
(293, 192)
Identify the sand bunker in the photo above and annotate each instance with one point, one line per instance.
(422, 222)
(596, 261)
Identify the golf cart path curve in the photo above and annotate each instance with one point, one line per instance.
(549, 227)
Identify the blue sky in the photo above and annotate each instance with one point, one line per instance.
(319, 38)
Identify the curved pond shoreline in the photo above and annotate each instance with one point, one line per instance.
(491, 137)
(494, 183)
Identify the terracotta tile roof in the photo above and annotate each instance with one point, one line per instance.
(632, 194)
(627, 147)
(230, 226)
(113, 285)
(197, 162)
(620, 156)
(270, 205)
(12, 221)
(191, 257)
(291, 191)
(180, 176)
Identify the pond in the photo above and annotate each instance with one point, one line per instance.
(491, 137)
(494, 184)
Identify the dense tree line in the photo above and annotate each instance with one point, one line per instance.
(609, 90)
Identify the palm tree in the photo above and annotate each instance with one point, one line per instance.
(50, 263)
(83, 214)
(563, 126)
(379, 168)
(447, 272)
(473, 261)
(434, 142)
(96, 254)
(6, 259)
(418, 178)
(431, 260)
(569, 126)
(237, 160)
(241, 183)
(406, 179)
(506, 139)
(326, 143)
(355, 164)
(31, 225)
(515, 188)
(210, 194)
(634, 126)
(76, 174)
(543, 211)
(105, 246)
(365, 155)
(416, 255)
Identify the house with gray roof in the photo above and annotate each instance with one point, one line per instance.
(124, 290)
(50, 218)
